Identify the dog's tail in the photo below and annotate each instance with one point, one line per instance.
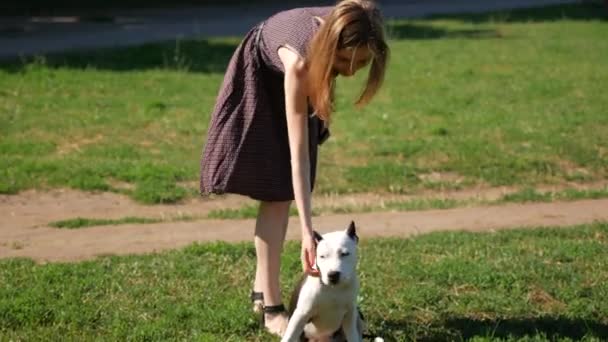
(375, 339)
(362, 326)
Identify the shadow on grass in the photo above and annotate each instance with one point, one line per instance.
(212, 56)
(574, 11)
(59, 7)
(400, 30)
(419, 30)
(205, 56)
(553, 328)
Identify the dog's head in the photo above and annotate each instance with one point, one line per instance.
(337, 256)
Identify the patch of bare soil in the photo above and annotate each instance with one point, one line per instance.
(24, 220)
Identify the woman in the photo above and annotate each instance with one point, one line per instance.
(273, 110)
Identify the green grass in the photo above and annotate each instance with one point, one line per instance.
(82, 222)
(532, 195)
(516, 285)
(246, 211)
(511, 98)
(526, 195)
(250, 211)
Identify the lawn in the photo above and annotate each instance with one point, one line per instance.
(510, 98)
(526, 285)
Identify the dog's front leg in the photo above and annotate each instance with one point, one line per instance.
(296, 324)
(349, 325)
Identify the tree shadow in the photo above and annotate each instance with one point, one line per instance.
(212, 56)
(554, 328)
(420, 30)
(60, 7)
(400, 30)
(202, 55)
(574, 11)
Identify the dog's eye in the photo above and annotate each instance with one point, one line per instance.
(343, 254)
(322, 256)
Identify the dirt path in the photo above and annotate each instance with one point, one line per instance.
(24, 230)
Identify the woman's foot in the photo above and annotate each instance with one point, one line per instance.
(257, 301)
(275, 319)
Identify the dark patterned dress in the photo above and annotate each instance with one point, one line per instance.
(247, 149)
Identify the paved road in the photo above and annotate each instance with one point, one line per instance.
(24, 36)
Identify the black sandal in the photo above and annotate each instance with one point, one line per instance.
(274, 309)
(259, 298)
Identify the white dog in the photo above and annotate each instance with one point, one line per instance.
(325, 307)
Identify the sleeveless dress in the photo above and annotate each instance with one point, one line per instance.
(247, 148)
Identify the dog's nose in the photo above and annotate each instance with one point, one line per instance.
(334, 277)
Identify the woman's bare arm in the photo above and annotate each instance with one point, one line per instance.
(296, 107)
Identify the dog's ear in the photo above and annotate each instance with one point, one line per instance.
(352, 231)
(317, 236)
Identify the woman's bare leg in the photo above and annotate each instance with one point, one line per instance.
(270, 229)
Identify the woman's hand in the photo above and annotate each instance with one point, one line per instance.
(309, 255)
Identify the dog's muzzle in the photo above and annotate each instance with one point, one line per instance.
(333, 277)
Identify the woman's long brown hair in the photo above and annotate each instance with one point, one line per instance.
(351, 24)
